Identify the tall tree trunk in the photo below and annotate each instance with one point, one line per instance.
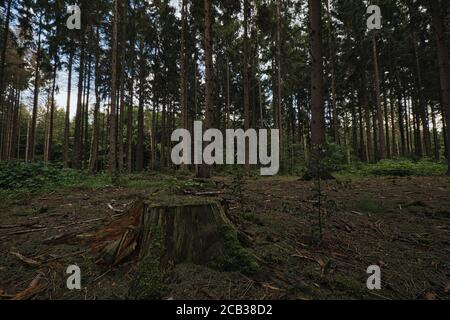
(279, 106)
(77, 146)
(121, 117)
(386, 123)
(205, 170)
(437, 143)
(113, 129)
(423, 108)
(93, 161)
(381, 134)
(67, 115)
(369, 140)
(335, 120)
(317, 102)
(86, 148)
(401, 124)
(407, 126)
(130, 110)
(442, 53)
(245, 71)
(393, 126)
(183, 71)
(140, 116)
(49, 149)
(2, 72)
(32, 137)
(15, 130)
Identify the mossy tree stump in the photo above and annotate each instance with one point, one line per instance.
(189, 231)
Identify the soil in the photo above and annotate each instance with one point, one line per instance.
(399, 224)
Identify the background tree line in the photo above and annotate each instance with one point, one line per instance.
(139, 69)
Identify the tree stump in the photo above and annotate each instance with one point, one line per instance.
(190, 231)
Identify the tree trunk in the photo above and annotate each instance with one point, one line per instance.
(112, 167)
(140, 116)
(442, 53)
(121, 118)
(393, 127)
(335, 121)
(77, 147)
(32, 138)
(437, 143)
(130, 111)
(183, 71)
(245, 71)
(317, 102)
(93, 161)
(67, 115)
(205, 170)
(49, 149)
(381, 134)
(2, 75)
(401, 124)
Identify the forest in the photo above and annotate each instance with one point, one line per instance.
(355, 94)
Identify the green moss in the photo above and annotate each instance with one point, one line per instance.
(235, 258)
(178, 201)
(149, 284)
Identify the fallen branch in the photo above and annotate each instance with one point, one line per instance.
(114, 209)
(12, 226)
(27, 261)
(205, 193)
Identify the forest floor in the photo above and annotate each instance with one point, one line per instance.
(401, 224)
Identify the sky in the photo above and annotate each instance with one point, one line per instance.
(62, 79)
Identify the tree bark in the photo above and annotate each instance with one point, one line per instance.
(77, 148)
(381, 134)
(93, 161)
(49, 149)
(205, 170)
(183, 71)
(442, 53)
(140, 116)
(317, 102)
(112, 167)
(67, 115)
(31, 137)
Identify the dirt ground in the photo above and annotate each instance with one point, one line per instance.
(399, 224)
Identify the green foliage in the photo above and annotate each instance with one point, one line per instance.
(236, 258)
(395, 167)
(40, 176)
(408, 168)
(148, 284)
(333, 157)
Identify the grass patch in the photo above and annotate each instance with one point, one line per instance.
(236, 258)
(19, 179)
(149, 284)
(392, 168)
